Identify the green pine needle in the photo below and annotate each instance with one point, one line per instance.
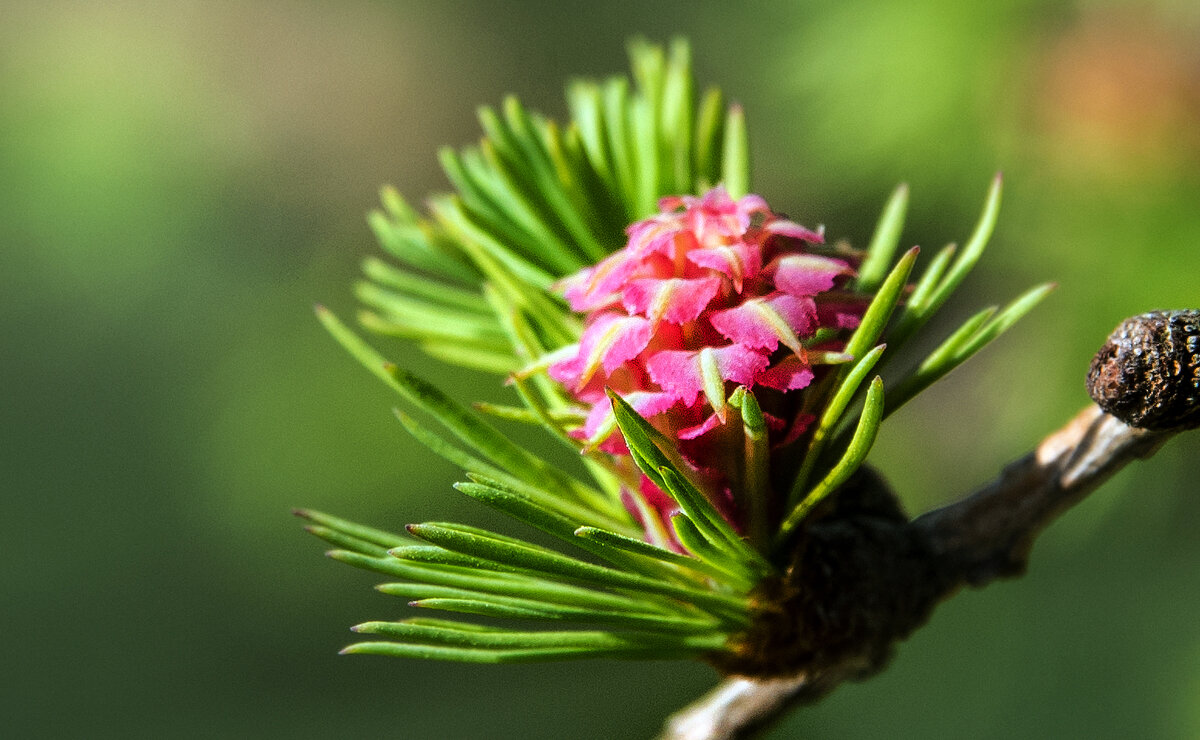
(884, 242)
(494, 549)
(755, 490)
(625, 544)
(735, 160)
(347, 542)
(690, 536)
(958, 270)
(831, 417)
(358, 531)
(972, 336)
(390, 277)
(856, 453)
(651, 453)
(510, 607)
(554, 498)
(474, 655)
(569, 417)
(415, 632)
(494, 494)
(875, 320)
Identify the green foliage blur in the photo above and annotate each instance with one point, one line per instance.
(181, 181)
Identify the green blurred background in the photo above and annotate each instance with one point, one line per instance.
(182, 180)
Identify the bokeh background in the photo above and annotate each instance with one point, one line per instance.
(181, 180)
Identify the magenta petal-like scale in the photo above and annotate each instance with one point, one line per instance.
(806, 274)
(687, 311)
(677, 300)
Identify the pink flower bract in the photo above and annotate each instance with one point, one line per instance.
(709, 294)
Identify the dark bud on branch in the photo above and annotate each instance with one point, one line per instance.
(859, 580)
(1148, 372)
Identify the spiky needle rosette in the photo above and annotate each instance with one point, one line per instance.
(710, 359)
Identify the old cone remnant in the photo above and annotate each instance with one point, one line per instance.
(1148, 373)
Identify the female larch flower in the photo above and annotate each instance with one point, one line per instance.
(710, 294)
(717, 370)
